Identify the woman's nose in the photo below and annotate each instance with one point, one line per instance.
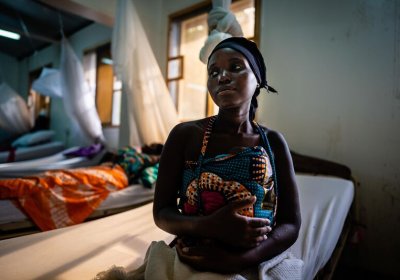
(224, 77)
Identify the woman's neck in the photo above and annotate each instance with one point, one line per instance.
(233, 122)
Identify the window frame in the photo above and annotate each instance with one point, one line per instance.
(98, 50)
(42, 99)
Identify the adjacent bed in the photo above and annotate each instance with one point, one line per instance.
(31, 145)
(57, 160)
(47, 194)
(80, 251)
(14, 222)
(31, 152)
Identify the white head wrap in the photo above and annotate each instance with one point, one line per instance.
(223, 24)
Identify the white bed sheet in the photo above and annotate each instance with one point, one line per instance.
(79, 252)
(132, 195)
(34, 152)
(324, 204)
(56, 161)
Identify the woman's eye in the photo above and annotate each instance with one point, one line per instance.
(236, 67)
(213, 73)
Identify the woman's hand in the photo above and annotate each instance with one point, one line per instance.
(207, 255)
(237, 230)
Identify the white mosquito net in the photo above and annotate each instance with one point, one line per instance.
(79, 101)
(152, 113)
(14, 113)
(48, 83)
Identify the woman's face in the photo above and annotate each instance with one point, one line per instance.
(231, 82)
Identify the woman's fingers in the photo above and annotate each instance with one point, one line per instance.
(258, 222)
(261, 231)
(256, 236)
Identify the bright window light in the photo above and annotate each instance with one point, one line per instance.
(9, 34)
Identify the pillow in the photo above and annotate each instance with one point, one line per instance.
(34, 138)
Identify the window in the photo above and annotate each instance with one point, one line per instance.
(103, 84)
(187, 75)
(39, 105)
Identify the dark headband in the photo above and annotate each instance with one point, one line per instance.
(250, 51)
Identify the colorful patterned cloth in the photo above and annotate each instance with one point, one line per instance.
(210, 183)
(134, 162)
(148, 177)
(60, 198)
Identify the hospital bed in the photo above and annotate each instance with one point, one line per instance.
(59, 191)
(81, 251)
(14, 222)
(57, 160)
(33, 152)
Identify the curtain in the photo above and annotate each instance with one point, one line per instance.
(151, 112)
(79, 102)
(14, 112)
(223, 24)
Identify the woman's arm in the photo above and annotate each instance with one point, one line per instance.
(285, 233)
(165, 211)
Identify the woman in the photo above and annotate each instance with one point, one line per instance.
(238, 196)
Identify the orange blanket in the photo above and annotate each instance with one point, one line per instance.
(60, 198)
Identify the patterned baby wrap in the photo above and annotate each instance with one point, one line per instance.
(210, 183)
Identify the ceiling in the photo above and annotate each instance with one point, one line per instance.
(39, 24)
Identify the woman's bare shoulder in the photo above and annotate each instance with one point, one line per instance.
(270, 132)
(187, 136)
(275, 137)
(190, 128)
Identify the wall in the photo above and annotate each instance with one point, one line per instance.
(9, 70)
(336, 65)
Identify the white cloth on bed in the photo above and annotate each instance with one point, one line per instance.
(162, 262)
(324, 204)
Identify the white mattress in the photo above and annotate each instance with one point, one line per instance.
(56, 161)
(80, 251)
(132, 195)
(32, 152)
(324, 204)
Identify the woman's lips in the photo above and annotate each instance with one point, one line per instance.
(224, 90)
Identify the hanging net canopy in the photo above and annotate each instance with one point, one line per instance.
(151, 111)
(48, 83)
(79, 102)
(14, 113)
(69, 83)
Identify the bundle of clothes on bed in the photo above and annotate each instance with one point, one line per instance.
(60, 198)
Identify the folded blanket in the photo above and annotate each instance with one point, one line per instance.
(162, 262)
(60, 198)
